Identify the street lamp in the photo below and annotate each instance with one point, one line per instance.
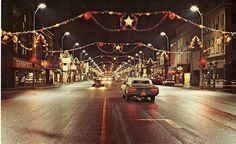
(167, 40)
(65, 34)
(137, 55)
(167, 49)
(86, 54)
(150, 46)
(81, 54)
(194, 8)
(140, 52)
(76, 44)
(40, 6)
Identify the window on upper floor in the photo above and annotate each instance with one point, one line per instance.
(208, 46)
(217, 46)
(222, 23)
(218, 22)
(213, 46)
(234, 18)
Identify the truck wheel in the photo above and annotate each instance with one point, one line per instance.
(152, 98)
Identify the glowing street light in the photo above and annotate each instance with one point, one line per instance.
(82, 54)
(40, 6)
(75, 45)
(65, 34)
(194, 8)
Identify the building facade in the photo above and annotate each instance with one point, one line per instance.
(220, 54)
(19, 64)
(181, 60)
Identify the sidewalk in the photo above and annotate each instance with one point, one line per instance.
(30, 87)
(231, 89)
(20, 88)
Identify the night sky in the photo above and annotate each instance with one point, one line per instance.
(87, 31)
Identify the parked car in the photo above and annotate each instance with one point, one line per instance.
(139, 87)
(97, 83)
(157, 81)
(168, 82)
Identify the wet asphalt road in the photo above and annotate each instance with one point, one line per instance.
(78, 113)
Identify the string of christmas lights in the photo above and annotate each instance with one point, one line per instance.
(130, 23)
(223, 39)
(204, 27)
(8, 37)
(114, 45)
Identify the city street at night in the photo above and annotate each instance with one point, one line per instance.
(118, 72)
(80, 113)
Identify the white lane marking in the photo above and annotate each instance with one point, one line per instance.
(169, 121)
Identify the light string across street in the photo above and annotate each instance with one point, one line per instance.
(128, 22)
(101, 44)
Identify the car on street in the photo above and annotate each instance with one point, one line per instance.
(139, 87)
(97, 83)
(168, 82)
(157, 81)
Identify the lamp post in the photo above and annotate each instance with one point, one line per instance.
(81, 67)
(167, 49)
(139, 68)
(82, 54)
(140, 52)
(62, 39)
(194, 8)
(40, 6)
(150, 46)
(73, 52)
(86, 54)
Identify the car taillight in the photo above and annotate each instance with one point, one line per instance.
(132, 89)
(154, 89)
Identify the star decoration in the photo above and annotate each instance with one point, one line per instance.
(118, 48)
(128, 21)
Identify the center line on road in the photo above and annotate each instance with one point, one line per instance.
(103, 127)
(169, 121)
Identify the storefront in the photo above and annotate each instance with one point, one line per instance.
(23, 73)
(182, 74)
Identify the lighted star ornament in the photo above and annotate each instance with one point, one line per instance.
(128, 21)
(119, 48)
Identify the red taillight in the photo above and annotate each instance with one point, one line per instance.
(132, 89)
(154, 89)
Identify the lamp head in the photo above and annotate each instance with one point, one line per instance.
(42, 6)
(76, 44)
(67, 33)
(194, 8)
(162, 33)
(83, 51)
